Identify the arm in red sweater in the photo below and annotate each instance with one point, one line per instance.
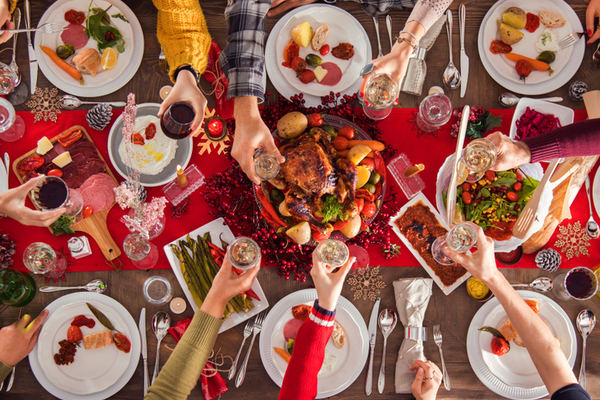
(300, 380)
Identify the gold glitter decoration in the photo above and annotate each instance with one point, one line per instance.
(205, 143)
(573, 240)
(367, 285)
(45, 104)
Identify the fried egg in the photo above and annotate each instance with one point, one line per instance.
(328, 363)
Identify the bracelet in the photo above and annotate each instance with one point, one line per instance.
(411, 43)
(411, 34)
(186, 68)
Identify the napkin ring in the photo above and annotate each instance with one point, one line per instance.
(415, 333)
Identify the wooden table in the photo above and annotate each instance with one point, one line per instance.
(453, 313)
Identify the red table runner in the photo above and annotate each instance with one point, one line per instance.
(432, 151)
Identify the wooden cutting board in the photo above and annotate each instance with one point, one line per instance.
(95, 224)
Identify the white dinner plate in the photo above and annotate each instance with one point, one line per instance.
(596, 192)
(343, 28)
(564, 114)
(105, 82)
(351, 358)
(502, 70)
(216, 228)
(514, 375)
(95, 374)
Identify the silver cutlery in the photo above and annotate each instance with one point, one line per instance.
(95, 286)
(247, 333)
(160, 323)
(13, 64)
(460, 141)
(508, 99)
(376, 22)
(437, 338)
(33, 65)
(570, 40)
(144, 349)
(592, 226)
(239, 379)
(451, 74)
(372, 341)
(387, 323)
(69, 102)
(388, 24)
(542, 284)
(162, 61)
(464, 59)
(586, 321)
(7, 166)
(48, 27)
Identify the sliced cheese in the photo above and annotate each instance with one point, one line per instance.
(44, 145)
(62, 160)
(320, 73)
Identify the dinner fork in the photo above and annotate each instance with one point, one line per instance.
(570, 40)
(162, 61)
(48, 27)
(437, 338)
(376, 22)
(239, 379)
(247, 332)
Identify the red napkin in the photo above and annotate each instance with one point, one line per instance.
(217, 78)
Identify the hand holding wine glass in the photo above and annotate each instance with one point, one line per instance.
(328, 284)
(12, 203)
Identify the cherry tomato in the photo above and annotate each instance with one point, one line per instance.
(324, 50)
(498, 47)
(369, 209)
(291, 51)
(466, 187)
(499, 346)
(490, 175)
(369, 163)
(55, 172)
(88, 211)
(523, 68)
(520, 177)
(466, 196)
(74, 334)
(298, 64)
(512, 196)
(122, 342)
(360, 203)
(517, 187)
(315, 119)
(306, 76)
(347, 132)
(340, 143)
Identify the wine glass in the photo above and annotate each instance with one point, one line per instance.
(381, 91)
(51, 193)
(479, 156)
(460, 239)
(7, 79)
(580, 283)
(362, 260)
(333, 252)
(142, 253)
(266, 165)
(243, 253)
(39, 258)
(12, 126)
(176, 122)
(434, 111)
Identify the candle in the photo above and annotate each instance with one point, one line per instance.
(178, 305)
(164, 91)
(412, 171)
(215, 127)
(181, 179)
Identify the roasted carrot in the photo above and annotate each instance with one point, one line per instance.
(283, 354)
(373, 144)
(536, 64)
(62, 64)
(344, 153)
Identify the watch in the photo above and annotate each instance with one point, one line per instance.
(186, 68)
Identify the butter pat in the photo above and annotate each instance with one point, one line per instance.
(44, 145)
(63, 160)
(320, 73)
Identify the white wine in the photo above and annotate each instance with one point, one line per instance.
(333, 252)
(266, 165)
(480, 155)
(462, 237)
(243, 253)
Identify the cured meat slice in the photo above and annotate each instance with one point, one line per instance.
(291, 329)
(74, 34)
(334, 74)
(95, 196)
(98, 340)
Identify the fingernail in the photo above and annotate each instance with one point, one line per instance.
(589, 42)
(589, 32)
(420, 371)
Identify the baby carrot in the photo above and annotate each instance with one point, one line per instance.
(62, 64)
(283, 354)
(344, 153)
(373, 144)
(536, 64)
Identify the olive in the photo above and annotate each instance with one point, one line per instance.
(329, 129)
(277, 195)
(370, 187)
(314, 60)
(375, 178)
(64, 51)
(546, 56)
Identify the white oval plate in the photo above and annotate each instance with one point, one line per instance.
(105, 82)
(502, 70)
(514, 375)
(596, 192)
(350, 359)
(96, 374)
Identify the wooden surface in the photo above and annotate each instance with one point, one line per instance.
(453, 312)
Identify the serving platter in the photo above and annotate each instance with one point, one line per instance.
(565, 115)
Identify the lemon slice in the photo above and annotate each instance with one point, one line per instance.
(109, 59)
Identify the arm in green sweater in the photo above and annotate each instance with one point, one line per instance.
(4, 371)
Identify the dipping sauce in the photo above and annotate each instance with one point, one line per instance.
(510, 258)
(477, 289)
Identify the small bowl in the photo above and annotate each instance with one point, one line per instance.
(511, 257)
(483, 300)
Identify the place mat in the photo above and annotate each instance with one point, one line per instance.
(431, 151)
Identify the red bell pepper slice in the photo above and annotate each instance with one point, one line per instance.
(250, 293)
(216, 249)
(340, 224)
(380, 169)
(364, 194)
(269, 207)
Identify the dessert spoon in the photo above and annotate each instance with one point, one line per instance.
(592, 226)
(586, 321)
(451, 73)
(95, 286)
(161, 322)
(69, 102)
(387, 322)
(508, 99)
(541, 284)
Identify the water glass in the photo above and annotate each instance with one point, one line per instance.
(12, 126)
(381, 91)
(16, 288)
(459, 239)
(142, 253)
(157, 290)
(434, 111)
(333, 252)
(580, 283)
(266, 165)
(243, 253)
(39, 258)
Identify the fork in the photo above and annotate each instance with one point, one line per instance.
(247, 332)
(437, 338)
(239, 379)
(162, 61)
(376, 22)
(570, 40)
(48, 27)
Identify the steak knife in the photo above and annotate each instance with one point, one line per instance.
(33, 65)
(142, 327)
(464, 59)
(372, 340)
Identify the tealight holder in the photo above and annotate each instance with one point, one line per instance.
(410, 186)
(215, 128)
(176, 193)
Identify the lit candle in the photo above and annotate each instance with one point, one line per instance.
(215, 127)
(178, 305)
(181, 179)
(164, 91)
(412, 171)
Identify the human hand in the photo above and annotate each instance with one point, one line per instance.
(329, 285)
(186, 89)
(17, 340)
(593, 11)
(5, 21)
(280, 6)
(427, 380)
(511, 154)
(12, 203)
(394, 63)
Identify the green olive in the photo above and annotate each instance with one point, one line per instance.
(375, 178)
(546, 56)
(329, 129)
(277, 195)
(370, 187)
(314, 60)
(64, 51)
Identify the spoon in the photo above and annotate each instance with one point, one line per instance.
(387, 322)
(508, 99)
(13, 64)
(160, 323)
(451, 73)
(592, 227)
(586, 320)
(96, 286)
(71, 102)
(541, 284)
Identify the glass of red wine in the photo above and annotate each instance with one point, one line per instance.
(580, 283)
(176, 122)
(362, 260)
(50, 193)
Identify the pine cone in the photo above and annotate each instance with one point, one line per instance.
(99, 116)
(549, 260)
(577, 89)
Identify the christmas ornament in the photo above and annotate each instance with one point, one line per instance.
(573, 240)
(61, 267)
(548, 259)
(420, 132)
(99, 116)
(480, 121)
(367, 285)
(577, 89)
(44, 104)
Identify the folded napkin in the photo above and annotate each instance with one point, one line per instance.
(412, 297)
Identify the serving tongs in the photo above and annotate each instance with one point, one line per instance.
(451, 207)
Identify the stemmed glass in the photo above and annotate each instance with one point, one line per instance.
(243, 253)
(479, 156)
(459, 239)
(381, 91)
(142, 253)
(266, 165)
(434, 111)
(580, 283)
(176, 122)
(7, 79)
(39, 258)
(333, 252)
(12, 127)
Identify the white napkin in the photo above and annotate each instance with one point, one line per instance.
(412, 298)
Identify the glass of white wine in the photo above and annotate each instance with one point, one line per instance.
(244, 253)
(381, 91)
(479, 156)
(333, 252)
(459, 239)
(266, 165)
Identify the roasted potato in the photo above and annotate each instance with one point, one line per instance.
(515, 17)
(353, 227)
(509, 35)
(292, 125)
(302, 34)
(300, 233)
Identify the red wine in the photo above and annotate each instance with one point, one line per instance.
(176, 122)
(579, 284)
(53, 194)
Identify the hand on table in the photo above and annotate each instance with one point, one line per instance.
(511, 154)
(280, 6)
(12, 203)
(592, 12)
(427, 380)
(186, 89)
(5, 21)
(329, 285)
(17, 340)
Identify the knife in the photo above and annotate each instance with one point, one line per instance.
(464, 59)
(33, 65)
(7, 166)
(372, 340)
(142, 327)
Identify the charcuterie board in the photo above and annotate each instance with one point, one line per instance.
(95, 224)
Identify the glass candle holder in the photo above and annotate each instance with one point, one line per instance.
(333, 252)
(39, 258)
(381, 91)
(243, 253)
(580, 283)
(157, 290)
(434, 111)
(142, 253)
(459, 239)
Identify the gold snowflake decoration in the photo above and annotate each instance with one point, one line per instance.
(573, 240)
(45, 104)
(205, 143)
(367, 285)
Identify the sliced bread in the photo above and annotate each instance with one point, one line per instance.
(319, 37)
(338, 336)
(551, 20)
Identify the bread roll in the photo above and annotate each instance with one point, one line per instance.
(88, 61)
